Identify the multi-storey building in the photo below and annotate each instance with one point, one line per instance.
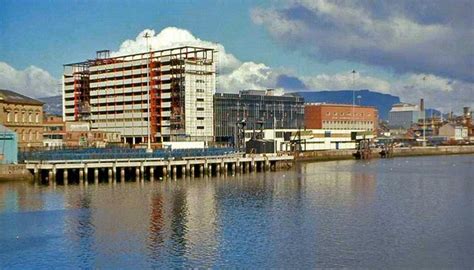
(340, 117)
(115, 94)
(404, 115)
(24, 116)
(257, 109)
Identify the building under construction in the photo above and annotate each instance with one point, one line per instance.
(115, 93)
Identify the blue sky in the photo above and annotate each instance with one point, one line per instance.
(301, 39)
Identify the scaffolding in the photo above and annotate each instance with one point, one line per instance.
(116, 86)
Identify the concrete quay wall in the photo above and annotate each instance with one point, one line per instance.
(328, 155)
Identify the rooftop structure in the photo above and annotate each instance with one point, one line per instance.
(115, 93)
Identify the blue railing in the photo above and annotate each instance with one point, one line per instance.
(119, 153)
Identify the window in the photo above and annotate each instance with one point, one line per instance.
(200, 109)
(200, 118)
(23, 117)
(16, 117)
(200, 127)
(37, 118)
(30, 117)
(200, 99)
(9, 116)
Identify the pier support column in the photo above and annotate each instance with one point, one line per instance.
(37, 176)
(201, 170)
(183, 171)
(122, 175)
(165, 172)
(137, 174)
(175, 172)
(142, 172)
(152, 174)
(233, 168)
(110, 175)
(188, 169)
(54, 175)
(114, 173)
(168, 169)
(81, 176)
(192, 171)
(86, 175)
(209, 170)
(65, 177)
(253, 166)
(50, 177)
(218, 170)
(226, 169)
(96, 176)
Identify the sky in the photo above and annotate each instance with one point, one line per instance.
(410, 49)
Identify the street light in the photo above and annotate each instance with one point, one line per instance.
(424, 115)
(148, 149)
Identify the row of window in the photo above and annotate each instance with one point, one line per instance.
(14, 117)
(28, 135)
(346, 114)
(348, 122)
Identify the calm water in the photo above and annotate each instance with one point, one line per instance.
(404, 212)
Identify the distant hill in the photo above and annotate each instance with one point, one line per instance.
(383, 102)
(53, 105)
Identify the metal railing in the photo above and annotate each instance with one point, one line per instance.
(119, 153)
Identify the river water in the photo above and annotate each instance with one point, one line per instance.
(403, 212)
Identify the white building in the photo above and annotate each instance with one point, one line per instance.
(403, 115)
(454, 132)
(312, 139)
(112, 93)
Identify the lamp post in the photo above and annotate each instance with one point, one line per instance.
(353, 97)
(148, 148)
(424, 115)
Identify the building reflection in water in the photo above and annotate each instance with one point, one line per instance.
(79, 228)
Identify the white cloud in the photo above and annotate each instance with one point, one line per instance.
(32, 81)
(344, 81)
(171, 37)
(407, 36)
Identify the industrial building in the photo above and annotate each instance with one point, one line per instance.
(255, 109)
(115, 93)
(340, 117)
(24, 116)
(404, 115)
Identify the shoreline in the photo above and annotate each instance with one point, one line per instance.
(331, 155)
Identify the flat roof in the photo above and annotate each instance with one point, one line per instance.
(338, 105)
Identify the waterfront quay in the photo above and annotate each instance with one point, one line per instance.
(95, 166)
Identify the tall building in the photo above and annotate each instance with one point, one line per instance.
(403, 115)
(24, 116)
(340, 117)
(256, 108)
(112, 93)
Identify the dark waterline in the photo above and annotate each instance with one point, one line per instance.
(403, 212)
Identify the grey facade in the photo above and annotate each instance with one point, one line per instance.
(253, 107)
(404, 115)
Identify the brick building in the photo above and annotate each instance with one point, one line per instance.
(24, 116)
(340, 117)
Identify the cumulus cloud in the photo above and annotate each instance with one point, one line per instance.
(426, 36)
(32, 81)
(171, 37)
